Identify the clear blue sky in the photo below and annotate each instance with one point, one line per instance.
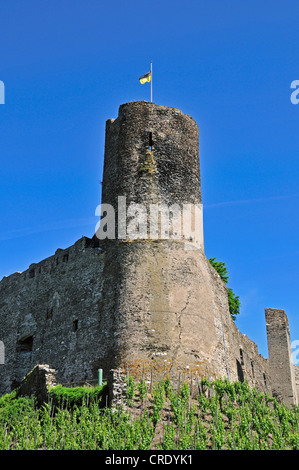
(67, 65)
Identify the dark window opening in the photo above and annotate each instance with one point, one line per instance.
(240, 372)
(241, 357)
(65, 258)
(252, 368)
(25, 344)
(150, 141)
(265, 381)
(75, 325)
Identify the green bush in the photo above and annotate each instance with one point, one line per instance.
(76, 395)
(11, 408)
(233, 300)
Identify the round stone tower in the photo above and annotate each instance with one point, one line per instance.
(159, 291)
(152, 164)
(171, 136)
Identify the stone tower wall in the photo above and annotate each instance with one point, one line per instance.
(171, 309)
(173, 138)
(152, 159)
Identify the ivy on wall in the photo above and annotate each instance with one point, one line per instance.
(149, 165)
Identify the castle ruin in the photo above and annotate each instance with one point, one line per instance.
(150, 303)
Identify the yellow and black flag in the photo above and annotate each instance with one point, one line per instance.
(145, 78)
(148, 77)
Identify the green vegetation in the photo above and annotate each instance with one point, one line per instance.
(149, 165)
(233, 300)
(218, 415)
(75, 395)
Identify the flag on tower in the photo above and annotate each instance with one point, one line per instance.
(145, 78)
(148, 77)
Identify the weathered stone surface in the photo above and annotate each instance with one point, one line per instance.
(117, 389)
(280, 356)
(56, 317)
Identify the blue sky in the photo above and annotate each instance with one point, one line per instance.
(67, 65)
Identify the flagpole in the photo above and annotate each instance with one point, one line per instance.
(151, 82)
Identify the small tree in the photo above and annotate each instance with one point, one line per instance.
(233, 300)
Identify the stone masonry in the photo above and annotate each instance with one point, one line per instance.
(148, 305)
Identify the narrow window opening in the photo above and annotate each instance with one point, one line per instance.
(25, 344)
(240, 372)
(265, 381)
(65, 258)
(150, 141)
(75, 325)
(241, 357)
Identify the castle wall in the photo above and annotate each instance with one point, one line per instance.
(247, 364)
(173, 317)
(86, 308)
(51, 313)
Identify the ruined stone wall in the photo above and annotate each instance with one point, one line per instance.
(248, 364)
(296, 371)
(150, 307)
(52, 313)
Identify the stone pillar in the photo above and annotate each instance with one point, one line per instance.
(117, 389)
(280, 356)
